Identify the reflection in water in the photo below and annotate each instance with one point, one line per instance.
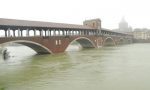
(108, 68)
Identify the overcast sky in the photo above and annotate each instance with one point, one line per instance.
(136, 12)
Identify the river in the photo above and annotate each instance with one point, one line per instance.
(125, 67)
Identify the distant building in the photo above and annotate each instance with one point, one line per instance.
(141, 34)
(123, 27)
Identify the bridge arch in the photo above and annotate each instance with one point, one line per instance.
(121, 41)
(129, 41)
(109, 41)
(84, 42)
(40, 49)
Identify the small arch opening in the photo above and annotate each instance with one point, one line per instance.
(80, 43)
(109, 42)
(38, 48)
(121, 42)
(74, 46)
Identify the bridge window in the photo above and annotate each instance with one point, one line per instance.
(31, 32)
(47, 33)
(76, 32)
(52, 33)
(16, 33)
(56, 32)
(61, 32)
(43, 33)
(37, 32)
(10, 33)
(56, 42)
(2, 34)
(59, 42)
(24, 33)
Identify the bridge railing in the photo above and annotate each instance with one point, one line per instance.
(45, 32)
(16, 31)
(115, 34)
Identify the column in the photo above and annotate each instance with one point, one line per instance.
(54, 32)
(21, 32)
(66, 32)
(27, 32)
(45, 33)
(59, 32)
(40, 32)
(14, 33)
(63, 33)
(72, 32)
(85, 32)
(69, 32)
(18, 32)
(34, 32)
(50, 33)
(79, 32)
(5, 33)
(8, 32)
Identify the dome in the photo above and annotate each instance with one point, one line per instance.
(123, 25)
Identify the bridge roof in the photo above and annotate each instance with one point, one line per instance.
(27, 23)
(108, 30)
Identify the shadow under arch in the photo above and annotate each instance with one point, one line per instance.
(129, 41)
(109, 42)
(121, 41)
(40, 49)
(84, 42)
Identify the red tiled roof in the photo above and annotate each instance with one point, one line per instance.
(14, 22)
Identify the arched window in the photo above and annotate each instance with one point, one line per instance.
(31, 32)
(2, 34)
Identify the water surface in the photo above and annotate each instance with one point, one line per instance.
(124, 67)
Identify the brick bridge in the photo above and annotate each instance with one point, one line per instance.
(47, 37)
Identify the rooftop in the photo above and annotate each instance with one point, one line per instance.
(15, 22)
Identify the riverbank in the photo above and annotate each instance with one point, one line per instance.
(141, 40)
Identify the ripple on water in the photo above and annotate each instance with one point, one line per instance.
(119, 68)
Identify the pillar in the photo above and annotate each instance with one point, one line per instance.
(18, 32)
(54, 32)
(34, 32)
(27, 32)
(58, 32)
(14, 33)
(50, 34)
(8, 32)
(5, 33)
(63, 33)
(40, 32)
(66, 32)
(45, 33)
(21, 32)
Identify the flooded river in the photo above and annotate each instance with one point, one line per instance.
(125, 67)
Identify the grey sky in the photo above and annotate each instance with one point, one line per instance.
(136, 12)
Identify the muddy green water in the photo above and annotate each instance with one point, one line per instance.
(124, 67)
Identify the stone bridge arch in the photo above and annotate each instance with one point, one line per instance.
(40, 49)
(109, 41)
(84, 42)
(121, 41)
